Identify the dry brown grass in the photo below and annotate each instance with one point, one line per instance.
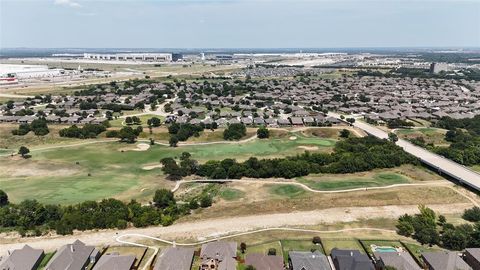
(260, 200)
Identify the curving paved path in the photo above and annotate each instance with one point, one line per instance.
(305, 187)
(173, 243)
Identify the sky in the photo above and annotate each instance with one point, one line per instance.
(239, 23)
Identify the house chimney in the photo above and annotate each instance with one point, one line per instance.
(71, 248)
(351, 253)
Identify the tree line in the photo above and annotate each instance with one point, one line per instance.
(430, 229)
(349, 156)
(464, 138)
(38, 126)
(31, 217)
(87, 131)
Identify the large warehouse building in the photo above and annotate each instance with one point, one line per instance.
(153, 57)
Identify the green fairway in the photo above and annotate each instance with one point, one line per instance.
(375, 180)
(290, 191)
(102, 170)
(231, 194)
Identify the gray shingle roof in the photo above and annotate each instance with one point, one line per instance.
(175, 258)
(25, 258)
(445, 260)
(70, 257)
(308, 261)
(115, 262)
(399, 260)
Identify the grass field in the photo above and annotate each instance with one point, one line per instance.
(290, 191)
(102, 170)
(343, 182)
(430, 135)
(330, 244)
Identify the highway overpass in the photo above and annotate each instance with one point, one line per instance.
(443, 165)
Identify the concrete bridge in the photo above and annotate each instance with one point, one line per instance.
(443, 165)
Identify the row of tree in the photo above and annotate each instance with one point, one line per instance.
(464, 146)
(350, 155)
(85, 132)
(30, 215)
(38, 126)
(428, 228)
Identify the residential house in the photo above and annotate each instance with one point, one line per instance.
(399, 260)
(115, 261)
(351, 260)
(26, 258)
(75, 256)
(304, 260)
(264, 262)
(219, 256)
(472, 257)
(175, 258)
(444, 260)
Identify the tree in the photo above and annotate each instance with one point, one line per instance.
(129, 120)
(205, 201)
(3, 198)
(171, 168)
(173, 141)
(23, 151)
(163, 198)
(234, 132)
(272, 252)
(316, 240)
(392, 137)
(154, 122)
(243, 247)
(351, 120)
(250, 267)
(263, 133)
(127, 134)
(472, 214)
(344, 133)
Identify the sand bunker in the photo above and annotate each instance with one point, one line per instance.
(139, 147)
(308, 148)
(292, 138)
(151, 167)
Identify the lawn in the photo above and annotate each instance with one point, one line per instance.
(329, 244)
(298, 245)
(45, 260)
(101, 170)
(375, 180)
(416, 249)
(231, 194)
(290, 191)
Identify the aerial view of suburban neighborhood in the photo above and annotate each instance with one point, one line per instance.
(239, 135)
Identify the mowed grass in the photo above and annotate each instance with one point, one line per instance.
(290, 191)
(376, 180)
(231, 194)
(102, 170)
(330, 244)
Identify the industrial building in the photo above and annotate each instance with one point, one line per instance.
(28, 71)
(438, 67)
(153, 57)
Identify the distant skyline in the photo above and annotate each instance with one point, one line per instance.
(238, 24)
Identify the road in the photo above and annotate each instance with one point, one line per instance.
(441, 164)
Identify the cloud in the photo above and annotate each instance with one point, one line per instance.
(68, 3)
